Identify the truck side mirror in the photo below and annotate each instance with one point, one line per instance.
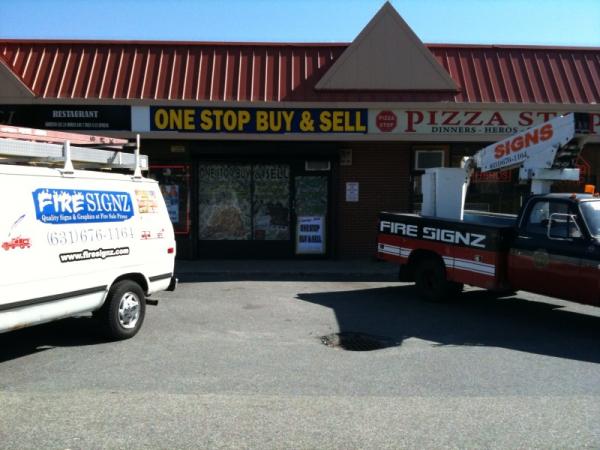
(563, 226)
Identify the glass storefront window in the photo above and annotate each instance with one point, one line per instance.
(244, 202)
(224, 202)
(495, 191)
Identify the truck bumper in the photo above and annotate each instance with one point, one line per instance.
(173, 284)
(406, 273)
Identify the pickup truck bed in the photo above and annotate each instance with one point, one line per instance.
(474, 250)
(551, 248)
(493, 219)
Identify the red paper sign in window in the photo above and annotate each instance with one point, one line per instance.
(584, 169)
(504, 176)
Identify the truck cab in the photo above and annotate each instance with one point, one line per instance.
(556, 247)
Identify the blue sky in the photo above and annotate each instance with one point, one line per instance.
(531, 22)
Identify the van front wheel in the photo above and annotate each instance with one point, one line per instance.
(124, 310)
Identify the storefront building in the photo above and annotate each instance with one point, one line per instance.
(290, 150)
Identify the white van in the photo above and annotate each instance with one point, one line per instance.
(80, 241)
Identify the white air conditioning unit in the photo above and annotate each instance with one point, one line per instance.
(316, 165)
(428, 159)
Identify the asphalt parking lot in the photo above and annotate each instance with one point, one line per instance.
(241, 362)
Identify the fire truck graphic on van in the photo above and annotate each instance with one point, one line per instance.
(16, 242)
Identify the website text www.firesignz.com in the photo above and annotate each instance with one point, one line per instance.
(100, 253)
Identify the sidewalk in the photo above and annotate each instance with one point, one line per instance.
(289, 269)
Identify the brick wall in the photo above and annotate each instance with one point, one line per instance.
(382, 171)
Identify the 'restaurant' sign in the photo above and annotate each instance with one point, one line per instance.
(67, 117)
(440, 121)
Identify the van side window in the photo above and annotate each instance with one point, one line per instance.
(537, 222)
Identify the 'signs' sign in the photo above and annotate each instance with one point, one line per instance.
(529, 138)
(535, 147)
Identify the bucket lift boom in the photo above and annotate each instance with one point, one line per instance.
(544, 154)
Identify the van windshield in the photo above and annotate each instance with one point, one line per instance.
(591, 213)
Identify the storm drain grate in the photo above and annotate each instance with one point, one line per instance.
(356, 342)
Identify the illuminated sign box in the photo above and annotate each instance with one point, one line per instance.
(258, 120)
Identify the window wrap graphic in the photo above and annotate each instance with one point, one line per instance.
(65, 206)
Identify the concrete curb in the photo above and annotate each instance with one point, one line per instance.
(256, 269)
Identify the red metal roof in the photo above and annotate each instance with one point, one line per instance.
(251, 72)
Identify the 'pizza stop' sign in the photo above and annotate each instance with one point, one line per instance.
(386, 121)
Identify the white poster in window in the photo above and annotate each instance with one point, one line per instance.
(310, 235)
(352, 191)
(171, 195)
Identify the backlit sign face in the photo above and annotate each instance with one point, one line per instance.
(387, 124)
(535, 144)
(67, 117)
(258, 120)
(524, 141)
(448, 122)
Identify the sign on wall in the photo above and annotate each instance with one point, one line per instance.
(452, 122)
(346, 121)
(352, 191)
(256, 120)
(67, 117)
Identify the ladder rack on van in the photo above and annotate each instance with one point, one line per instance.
(52, 147)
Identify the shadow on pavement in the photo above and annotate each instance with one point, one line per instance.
(240, 276)
(477, 318)
(72, 332)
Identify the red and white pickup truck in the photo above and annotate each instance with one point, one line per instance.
(551, 247)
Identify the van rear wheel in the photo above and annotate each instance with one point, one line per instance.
(431, 281)
(124, 310)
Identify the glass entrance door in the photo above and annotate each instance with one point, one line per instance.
(311, 201)
(271, 202)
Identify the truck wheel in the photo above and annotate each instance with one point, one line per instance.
(454, 288)
(124, 310)
(431, 282)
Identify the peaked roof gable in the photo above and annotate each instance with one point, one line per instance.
(11, 87)
(387, 55)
